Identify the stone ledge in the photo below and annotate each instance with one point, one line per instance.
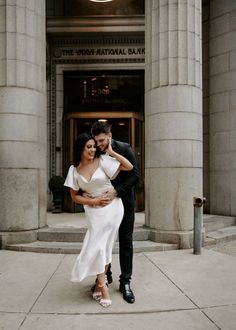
(216, 222)
(184, 239)
(77, 234)
(27, 236)
(75, 248)
(221, 235)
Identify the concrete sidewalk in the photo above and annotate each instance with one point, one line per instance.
(174, 290)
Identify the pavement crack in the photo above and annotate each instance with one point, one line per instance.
(169, 279)
(208, 317)
(154, 311)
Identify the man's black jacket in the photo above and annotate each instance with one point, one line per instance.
(125, 180)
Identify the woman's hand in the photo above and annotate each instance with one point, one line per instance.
(87, 199)
(109, 149)
(125, 164)
(101, 201)
(110, 193)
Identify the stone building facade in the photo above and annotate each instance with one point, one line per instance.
(183, 126)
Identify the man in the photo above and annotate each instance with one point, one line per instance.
(124, 188)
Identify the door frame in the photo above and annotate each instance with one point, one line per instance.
(106, 115)
(71, 117)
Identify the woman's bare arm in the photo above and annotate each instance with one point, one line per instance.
(125, 164)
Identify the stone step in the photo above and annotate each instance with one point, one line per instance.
(220, 235)
(74, 248)
(77, 234)
(215, 222)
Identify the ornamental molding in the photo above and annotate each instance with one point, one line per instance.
(67, 25)
(97, 49)
(98, 40)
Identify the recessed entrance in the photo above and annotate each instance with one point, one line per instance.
(127, 127)
(114, 95)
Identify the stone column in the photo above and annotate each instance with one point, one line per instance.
(22, 119)
(173, 118)
(222, 107)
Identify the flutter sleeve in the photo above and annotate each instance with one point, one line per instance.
(71, 181)
(110, 166)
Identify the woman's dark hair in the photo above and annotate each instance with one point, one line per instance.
(79, 145)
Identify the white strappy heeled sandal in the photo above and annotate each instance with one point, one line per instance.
(104, 302)
(97, 295)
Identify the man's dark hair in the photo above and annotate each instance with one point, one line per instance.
(100, 127)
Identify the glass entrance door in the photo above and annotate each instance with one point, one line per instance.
(127, 127)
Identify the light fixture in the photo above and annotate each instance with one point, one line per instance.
(102, 120)
(101, 0)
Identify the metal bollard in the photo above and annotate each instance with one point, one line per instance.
(197, 229)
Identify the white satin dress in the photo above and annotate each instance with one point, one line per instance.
(103, 222)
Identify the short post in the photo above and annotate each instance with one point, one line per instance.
(197, 228)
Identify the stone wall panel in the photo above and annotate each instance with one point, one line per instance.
(19, 197)
(173, 116)
(22, 115)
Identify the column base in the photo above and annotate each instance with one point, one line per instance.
(184, 239)
(17, 237)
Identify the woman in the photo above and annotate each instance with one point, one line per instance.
(92, 174)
